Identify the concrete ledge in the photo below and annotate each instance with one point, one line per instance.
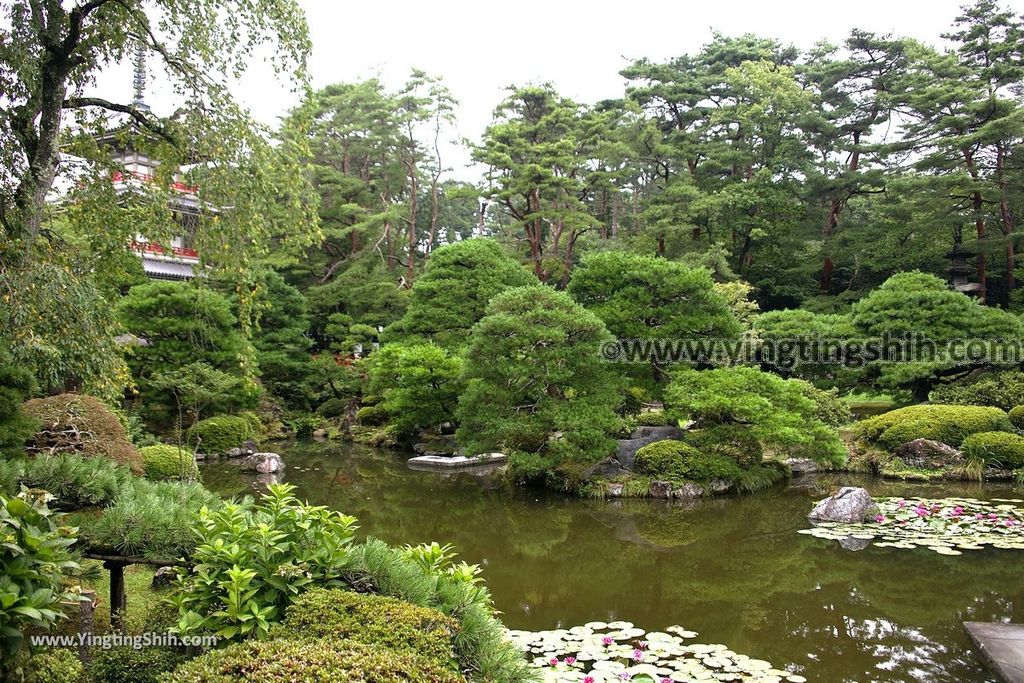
(1001, 647)
(456, 461)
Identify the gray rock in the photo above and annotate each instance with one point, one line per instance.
(606, 469)
(661, 489)
(235, 452)
(626, 450)
(801, 466)
(319, 435)
(925, 454)
(248, 447)
(437, 447)
(849, 504)
(851, 543)
(264, 463)
(998, 474)
(719, 486)
(614, 490)
(163, 578)
(688, 490)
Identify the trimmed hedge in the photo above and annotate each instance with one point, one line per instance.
(996, 448)
(652, 418)
(371, 415)
(373, 620)
(162, 462)
(130, 665)
(81, 425)
(946, 423)
(1017, 417)
(676, 461)
(219, 434)
(310, 661)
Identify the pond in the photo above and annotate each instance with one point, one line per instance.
(733, 569)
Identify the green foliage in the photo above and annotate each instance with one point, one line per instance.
(651, 418)
(74, 481)
(194, 388)
(133, 665)
(151, 519)
(76, 423)
(644, 297)
(999, 389)
(185, 323)
(947, 424)
(34, 565)
(419, 385)
(252, 560)
(373, 620)
(284, 661)
(1000, 449)
(53, 666)
(453, 292)
(1016, 415)
(828, 407)
(734, 441)
(169, 462)
(776, 412)
(535, 381)
(219, 434)
(676, 461)
(16, 385)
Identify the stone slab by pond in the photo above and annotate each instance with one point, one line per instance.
(456, 461)
(1001, 647)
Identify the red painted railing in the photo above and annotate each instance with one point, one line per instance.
(119, 176)
(153, 248)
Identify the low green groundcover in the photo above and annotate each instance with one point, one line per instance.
(613, 652)
(947, 526)
(948, 424)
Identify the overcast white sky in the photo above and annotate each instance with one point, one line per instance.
(481, 47)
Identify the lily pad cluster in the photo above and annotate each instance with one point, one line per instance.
(617, 651)
(947, 526)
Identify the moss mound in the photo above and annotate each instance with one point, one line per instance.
(373, 620)
(946, 423)
(996, 448)
(219, 434)
(310, 661)
(1017, 417)
(162, 462)
(74, 423)
(676, 461)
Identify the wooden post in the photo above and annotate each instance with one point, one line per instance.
(117, 596)
(86, 624)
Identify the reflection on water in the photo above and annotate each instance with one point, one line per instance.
(732, 569)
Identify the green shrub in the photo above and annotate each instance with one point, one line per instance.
(945, 423)
(52, 666)
(252, 560)
(996, 448)
(333, 407)
(304, 425)
(219, 434)
(373, 620)
(677, 461)
(254, 421)
(1017, 417)
(371, 415)
(131, 665)
(82, 425)
(653, 418)
(285, 661)
(828, 407)
(16, 385)
(999, 390)
(74, 481)
(34, 564)
(169, 462)
(732, 441)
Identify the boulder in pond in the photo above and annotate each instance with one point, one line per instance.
(688, 490)
(614, 490)
(264, 463)
(661, 489)
(848, 504)
(801, 466)
(926, 454)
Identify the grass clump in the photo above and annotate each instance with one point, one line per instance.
(1000, 449)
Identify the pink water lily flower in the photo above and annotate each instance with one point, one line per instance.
(993, 515)
(570, 660)
(957, 511)
(607, 640)
(921, 512)
(625, 675)
(642, 645)
(588, 679)
(638, 654)
(879, 518)
(554, 661)
(901, 504)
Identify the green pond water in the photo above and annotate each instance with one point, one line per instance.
(733, 569)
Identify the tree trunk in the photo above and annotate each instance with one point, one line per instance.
(979, 224)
